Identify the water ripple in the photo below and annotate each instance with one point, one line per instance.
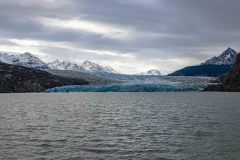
(165, 126)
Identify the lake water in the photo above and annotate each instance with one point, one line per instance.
(165, 126)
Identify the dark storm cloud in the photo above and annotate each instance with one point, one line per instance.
(148, 29)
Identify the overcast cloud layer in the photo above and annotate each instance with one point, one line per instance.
(129, 35)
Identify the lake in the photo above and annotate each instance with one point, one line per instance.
(165, 126)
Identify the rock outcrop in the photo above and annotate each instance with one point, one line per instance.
(14, 78)
(231, 83)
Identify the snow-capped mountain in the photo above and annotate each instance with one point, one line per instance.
(152, 72)
(65, 65)
(228, 57)
(96, 68)
(26, 59)
(86, 66)
(31, 61)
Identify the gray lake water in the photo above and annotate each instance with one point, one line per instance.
(165, 126)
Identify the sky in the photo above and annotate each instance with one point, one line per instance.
(131, 36)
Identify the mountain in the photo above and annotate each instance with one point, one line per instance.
(214, 67)
(95, 68)
(152, 72)
(203, 70)
(230, 83)
(30, 61)
(26, 59)
(228, 57)
(15, 78)
(64, 65)
(86, 66)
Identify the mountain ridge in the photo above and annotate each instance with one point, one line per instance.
(94, 67)
(26, 59)
(228, 57)
(216, 66)
(29, 60)
(65, 65)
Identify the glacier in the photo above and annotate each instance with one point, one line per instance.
(143, 84)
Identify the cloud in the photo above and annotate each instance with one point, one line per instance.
(107, 30)
(16, 45)
(130, 35)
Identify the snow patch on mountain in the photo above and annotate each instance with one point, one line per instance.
(96, 68)
(26, 60)
(86, 66)
(31, 61)
(228, 57)
(65, 65)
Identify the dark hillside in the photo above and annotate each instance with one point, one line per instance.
(203, 70)
(14, 78)
(231, 83)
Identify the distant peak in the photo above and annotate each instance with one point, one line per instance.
(27, 53)
(228, 57)
(94, 67)
(65, 65)
(87, 66)
(152, 72)
(229, 48)
(88, 62)
(228, 52)
(25, 59)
